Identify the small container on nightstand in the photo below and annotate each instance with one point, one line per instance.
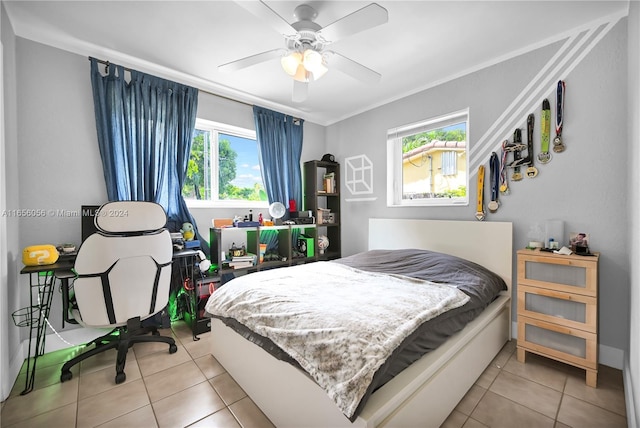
(558, 308)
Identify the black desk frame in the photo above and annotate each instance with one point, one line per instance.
(36, 315)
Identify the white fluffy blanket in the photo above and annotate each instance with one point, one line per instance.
(338, 322)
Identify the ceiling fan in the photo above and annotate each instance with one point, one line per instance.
(304, 56)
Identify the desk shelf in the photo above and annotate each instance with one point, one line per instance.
(280, 240)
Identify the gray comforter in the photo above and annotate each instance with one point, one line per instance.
(338, 322)
(481, 285)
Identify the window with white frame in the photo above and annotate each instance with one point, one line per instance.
(223, 169)
(427, 162)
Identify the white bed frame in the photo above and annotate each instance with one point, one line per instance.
(426, 392)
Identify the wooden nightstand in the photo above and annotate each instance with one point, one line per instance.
(558, 308)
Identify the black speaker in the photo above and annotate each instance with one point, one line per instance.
(88, 217)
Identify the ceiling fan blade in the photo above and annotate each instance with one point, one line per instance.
(300, 91)
(352, 68)
(265, 13)
(368, 17)
(251, 60)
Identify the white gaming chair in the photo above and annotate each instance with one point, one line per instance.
(123, 276)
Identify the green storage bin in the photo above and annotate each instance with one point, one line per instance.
(306, 245)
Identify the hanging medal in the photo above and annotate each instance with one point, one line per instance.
(558, 145)
(504, 181)
(545, 127)
(532, 171)
(517, 159)
(480, 200)
(494, 180)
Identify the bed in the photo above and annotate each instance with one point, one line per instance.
(422, 394)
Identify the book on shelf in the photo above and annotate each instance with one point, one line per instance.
(248, 260)
(248, 257)
(241, 264)
(322, 215)
(329, 183)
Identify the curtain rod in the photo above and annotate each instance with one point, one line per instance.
(107, 64)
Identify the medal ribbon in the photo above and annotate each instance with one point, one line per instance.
(494, 176)
(503, 169)
(530, 123)
(517, 139)
(480, 204)
(545, 126)
(559, 107)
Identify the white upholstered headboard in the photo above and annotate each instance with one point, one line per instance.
(487, 243)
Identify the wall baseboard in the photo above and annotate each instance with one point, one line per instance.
(612, 357)
(70, 338)
(607, 355)
(632, 416)
(15, 364)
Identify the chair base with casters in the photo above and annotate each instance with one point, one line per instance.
(121, 338)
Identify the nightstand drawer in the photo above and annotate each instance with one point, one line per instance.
(570, 310)
(570, 274)
(566, 344)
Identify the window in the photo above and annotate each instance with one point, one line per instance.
(427, 162)
(223, 168)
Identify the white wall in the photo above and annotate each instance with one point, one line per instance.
(59, 167)
(632, 361)
(584, 186)
(11, 356)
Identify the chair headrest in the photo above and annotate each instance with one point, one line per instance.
(130, 216)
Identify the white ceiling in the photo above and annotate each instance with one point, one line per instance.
(423, 43)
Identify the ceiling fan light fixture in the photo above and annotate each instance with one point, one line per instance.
(312, 59)
(306, 66)
(305, 58)
(319, 71)
(291, 62)
(301, 74)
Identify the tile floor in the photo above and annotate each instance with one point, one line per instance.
(540, 393)
(191, 389)
(187, 388)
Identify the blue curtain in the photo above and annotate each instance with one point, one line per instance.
(279, 149)
(145, 128)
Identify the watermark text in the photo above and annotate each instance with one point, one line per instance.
(62, 213)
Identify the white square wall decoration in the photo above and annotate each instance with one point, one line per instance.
(359, 178)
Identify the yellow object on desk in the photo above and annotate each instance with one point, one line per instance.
(37, 255)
